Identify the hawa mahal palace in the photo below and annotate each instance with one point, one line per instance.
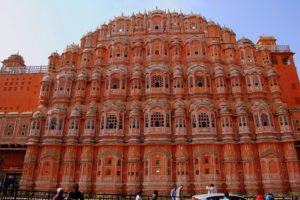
(149, 101)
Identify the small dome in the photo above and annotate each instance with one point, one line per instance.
(271, 72)
(15, 57)
(179, 112)
(54, 54)
(96, 74)
(156, 11)
(134, 112)
(243, 42)
(57, 109)
(15, 60)
(282, 110)
(177, 72)
(92, 110)
(46, 78)
(240, 107)
(65, 74)
(219, 71)
(72, 48)
(234, 71)
(82, 75)
(137, 73)
(37, 114)
(224, 108)
(101, 46)
(211, 23)
(75, 112)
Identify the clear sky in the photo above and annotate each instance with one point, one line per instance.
(35, 28)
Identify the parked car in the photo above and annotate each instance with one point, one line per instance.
(216, 196)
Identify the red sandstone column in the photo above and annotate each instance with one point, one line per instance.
(271, 168)
(134, 171)
(68, 166)
(182, 167)
(292, 165)
(48, 168)
(29, 167)
(86, 166)
(233, 170)
(251, 168)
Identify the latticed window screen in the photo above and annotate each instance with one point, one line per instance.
(264, 119)
(283, 120)
(157, 119)
(191, 81)
(256, 81)
(115, 84)
(243, 121)
(111, 121)
(102, 122)
(180, 123)
(203, 120)
(146, 121)
(199, 81)
(121, 121)
(156, 81)
(256, 120)
(194, 121)
(53, 123)
(90, 124)
(73, 124)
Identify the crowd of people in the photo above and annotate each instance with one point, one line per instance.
(75, 194)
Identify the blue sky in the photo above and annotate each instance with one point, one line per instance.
(36, 28)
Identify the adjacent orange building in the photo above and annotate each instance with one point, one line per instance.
(158, 99)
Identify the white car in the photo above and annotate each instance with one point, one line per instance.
(216, 196)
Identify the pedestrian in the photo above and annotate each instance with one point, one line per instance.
(154, 195)
(260, 197)
(173, 193)
(75, 193)
(139, 196)
(269, 196)
(59, 194)
(211, 189)
(226, 196)
(178, 191)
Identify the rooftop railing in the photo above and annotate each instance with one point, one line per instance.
(23, 70)
(278, 48)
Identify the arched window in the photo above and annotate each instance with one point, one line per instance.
(256, 81)
(194, 121)
(53, 123)
(111, 121)
(243, 121)
(191, 82)
(156, 81)
(199, 81)
(264, 119)
(146, 121)
(157, 119)
(90, 124)
(203, 120)
(180, 123)
(115, 84)
(35, 125)
(256, 120)
(73, 124)
(283, 119)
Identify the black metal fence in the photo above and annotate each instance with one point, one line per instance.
(9, 194)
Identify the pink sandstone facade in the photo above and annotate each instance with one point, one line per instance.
(160, 98)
